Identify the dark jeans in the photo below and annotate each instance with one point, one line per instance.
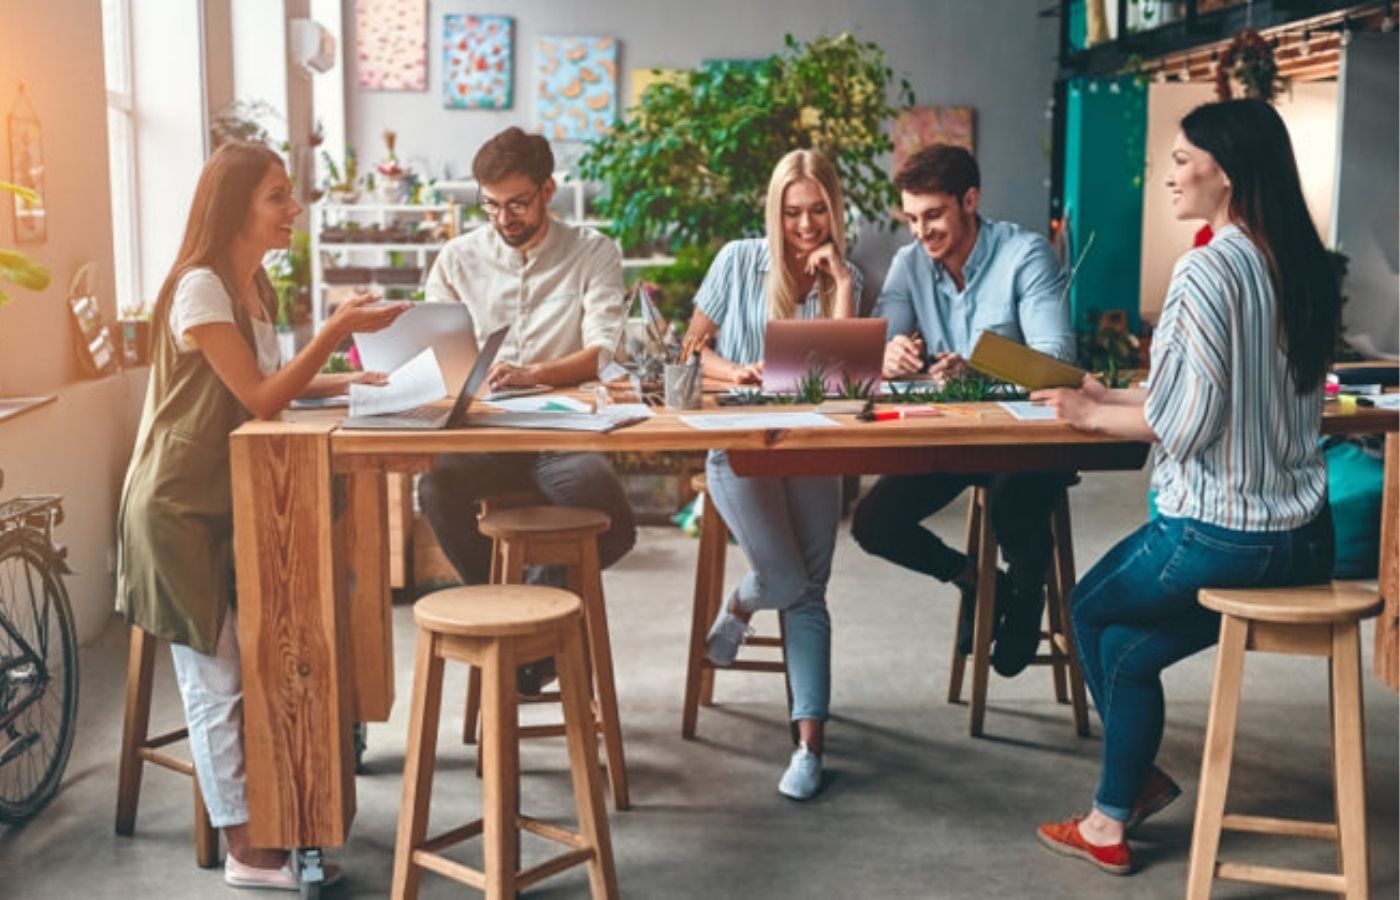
(1135, 613)
(888, 521)
(449, 492)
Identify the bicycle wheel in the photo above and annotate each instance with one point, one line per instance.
(38, 677)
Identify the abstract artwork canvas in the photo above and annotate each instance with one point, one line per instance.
(921, 126)
(477, 61)
(391, 45)
(577, 87)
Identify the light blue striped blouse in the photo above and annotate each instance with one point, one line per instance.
(1239, 444)
(734, 295)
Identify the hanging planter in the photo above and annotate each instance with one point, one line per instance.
(1249, 60)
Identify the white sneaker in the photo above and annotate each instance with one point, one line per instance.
(726, 636)
(803, 778)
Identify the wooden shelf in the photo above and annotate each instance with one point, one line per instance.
(14, 407)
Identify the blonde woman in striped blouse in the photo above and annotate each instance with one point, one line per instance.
(1234, 404)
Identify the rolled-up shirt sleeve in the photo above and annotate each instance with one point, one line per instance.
(604, 297)
(1042, 307)
(896, 302)
(1188, 391)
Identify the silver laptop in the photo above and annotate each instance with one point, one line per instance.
(445, 327)
(431, 416)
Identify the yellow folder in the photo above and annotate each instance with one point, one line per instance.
(1003, 358)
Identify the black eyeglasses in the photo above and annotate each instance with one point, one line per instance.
(516, 207)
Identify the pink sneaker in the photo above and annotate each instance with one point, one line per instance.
(240, 875)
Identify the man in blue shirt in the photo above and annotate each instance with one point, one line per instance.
(963, 275)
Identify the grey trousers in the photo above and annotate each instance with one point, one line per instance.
(449, 492)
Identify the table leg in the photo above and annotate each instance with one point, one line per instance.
(297, 700)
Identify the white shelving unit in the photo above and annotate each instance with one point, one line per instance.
(370, 254)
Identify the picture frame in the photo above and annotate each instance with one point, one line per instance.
(27, 171)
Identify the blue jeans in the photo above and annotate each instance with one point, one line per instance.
(787, 529)
(1135, 613)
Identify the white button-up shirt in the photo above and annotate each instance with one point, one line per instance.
(562, 296)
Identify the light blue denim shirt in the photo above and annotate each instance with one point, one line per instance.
(1013, 287)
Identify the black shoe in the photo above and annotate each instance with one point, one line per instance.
(1019, 636)
(531, 678)
(969, 611)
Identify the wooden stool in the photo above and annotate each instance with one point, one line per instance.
(1059, 580)
(709, 594)
(496, 628)
(565, 536)
(139, 748)
(1322, 620)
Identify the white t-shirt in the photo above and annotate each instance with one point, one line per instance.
(200, 299)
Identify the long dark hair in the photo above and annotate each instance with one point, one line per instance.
(217, 213)
(1251, 144)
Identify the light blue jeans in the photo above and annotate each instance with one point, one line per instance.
(212, 688)
(787, 529)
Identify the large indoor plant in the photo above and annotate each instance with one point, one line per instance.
(690, 167)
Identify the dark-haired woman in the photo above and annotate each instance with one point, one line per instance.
(1234, 404)
(214, 365)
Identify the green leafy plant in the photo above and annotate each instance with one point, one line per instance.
(855, 388)
(691, 165)
(290, 273)
(15, 267)
(811, 387)
(970, 387)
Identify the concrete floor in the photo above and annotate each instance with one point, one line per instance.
(913, 806)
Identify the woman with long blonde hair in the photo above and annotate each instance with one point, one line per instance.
(786, 526)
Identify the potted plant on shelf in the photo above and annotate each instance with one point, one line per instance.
(290, 272)
(391, 173)
(342, 187)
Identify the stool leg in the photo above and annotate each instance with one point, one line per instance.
(1215, 762)
(419, 760)
(598, 649)
(1064, 582)
(472, 713)
(583, 763)
(1349, 757)
(1053, 628)
(500, 785)
(955, 668)
(714, 522)
(139, 670)
(510, 555)
(986, 613)
(206, 836)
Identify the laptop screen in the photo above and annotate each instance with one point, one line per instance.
(476, 377)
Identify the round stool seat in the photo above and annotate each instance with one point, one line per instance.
(527, 520)
(1317, 604)
(699, 483)
(495, 610)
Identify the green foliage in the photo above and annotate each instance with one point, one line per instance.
(1106, 344)
(290, 273)
(854, 388)
(673, 287)
(970, 387)
(15, 267)
(811, 387)
(336, 364)
(691, 165)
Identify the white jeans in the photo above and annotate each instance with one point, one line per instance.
(212, 688)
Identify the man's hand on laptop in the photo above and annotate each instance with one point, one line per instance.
(904, 355)
(947, 365)
(503, 375)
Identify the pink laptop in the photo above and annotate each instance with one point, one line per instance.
(846, 349)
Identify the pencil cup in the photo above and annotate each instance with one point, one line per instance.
(682, 387)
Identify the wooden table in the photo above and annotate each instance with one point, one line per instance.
(312, 559)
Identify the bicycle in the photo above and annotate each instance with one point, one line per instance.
(38, 657)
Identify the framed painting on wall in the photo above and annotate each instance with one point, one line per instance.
(478, 64)
(391, 45)
(641, 79)
(577, 79)
(27, 171)
(922, 126)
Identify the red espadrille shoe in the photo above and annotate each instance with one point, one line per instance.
(1064, 838)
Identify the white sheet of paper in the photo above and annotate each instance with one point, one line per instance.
(1386, 401)
(414, 383)
(629, 409)
(541, 404)
(752, 421)
(1027, 411)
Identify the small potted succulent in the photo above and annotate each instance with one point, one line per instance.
(341, 187)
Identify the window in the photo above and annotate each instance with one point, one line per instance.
(121, 149)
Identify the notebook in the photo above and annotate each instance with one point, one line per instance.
(1010, 361)
(847, 350)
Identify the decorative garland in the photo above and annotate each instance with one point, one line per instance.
(1250, 59)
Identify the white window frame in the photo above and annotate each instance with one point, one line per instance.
(126, 236)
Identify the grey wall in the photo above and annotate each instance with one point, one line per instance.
(1366, 226)
(994, 55)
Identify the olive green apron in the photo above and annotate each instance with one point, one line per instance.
(175, 520)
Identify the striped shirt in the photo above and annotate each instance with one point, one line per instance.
(1239, 445)
(734, 295)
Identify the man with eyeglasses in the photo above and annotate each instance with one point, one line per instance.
(962, 275)
(560, 289)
